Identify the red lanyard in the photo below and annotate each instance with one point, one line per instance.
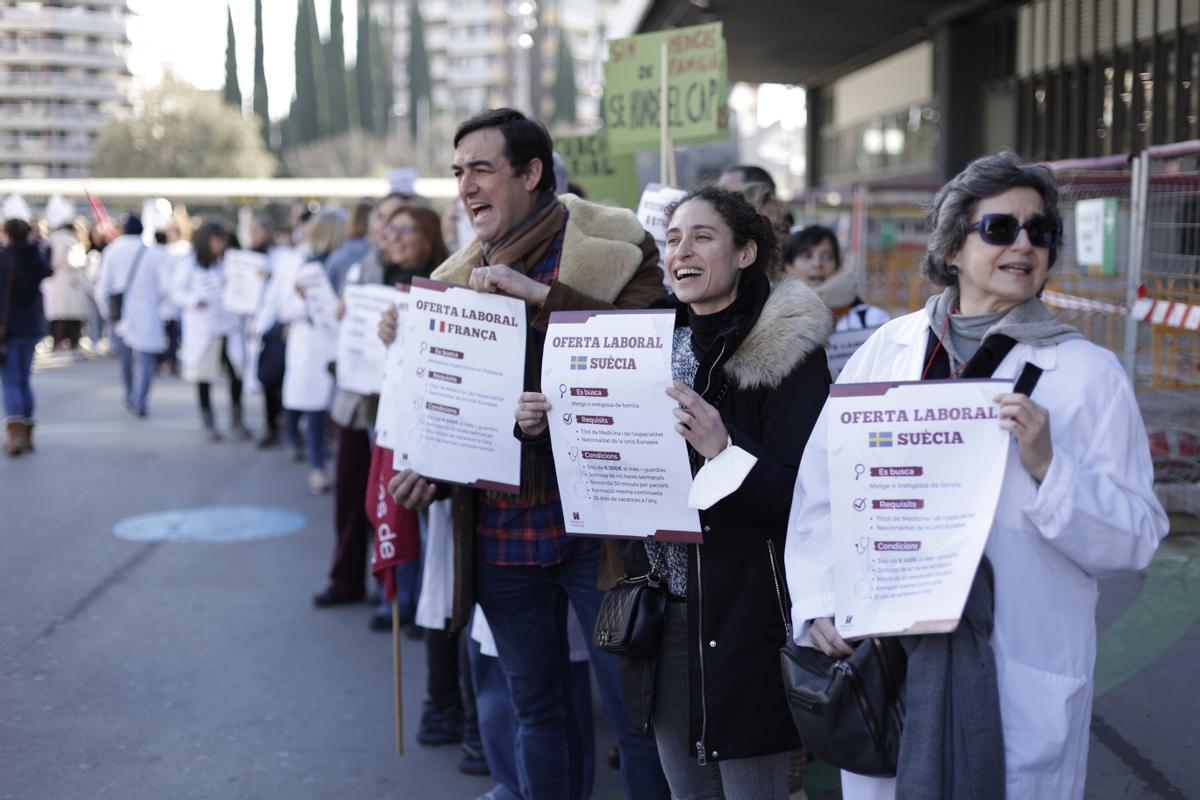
(938, 346)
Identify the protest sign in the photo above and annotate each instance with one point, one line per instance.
(622, 468)
(697, 88)
(915, 471)
(607, 177)
(464, 364)
(361, 354)
(245, 275)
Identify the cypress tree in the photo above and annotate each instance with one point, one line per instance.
(420, 84)
(261, 106)
(363, 80)
(382, 79)
(310, 108)
(233, 92)
(563, 91)
(335, 71)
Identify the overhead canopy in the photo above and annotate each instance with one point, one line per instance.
(221, 189)
(808, 42)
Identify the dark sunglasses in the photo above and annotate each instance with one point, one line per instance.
(1003, 229)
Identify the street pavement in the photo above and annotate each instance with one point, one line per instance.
(185, 669)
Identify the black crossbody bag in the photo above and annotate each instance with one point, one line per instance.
(849, 712)
(116, 300)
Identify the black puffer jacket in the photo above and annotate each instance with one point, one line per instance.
(738, 607)
(29, 268)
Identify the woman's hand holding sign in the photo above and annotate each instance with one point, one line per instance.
(699, 422)
(1029, 423)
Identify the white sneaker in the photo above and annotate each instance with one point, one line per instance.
(317, 482)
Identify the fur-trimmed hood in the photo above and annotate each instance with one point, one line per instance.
(602, 249)
(793, 324)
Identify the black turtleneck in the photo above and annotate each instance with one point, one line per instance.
(739, 315)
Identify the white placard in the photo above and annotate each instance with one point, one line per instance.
(245, 277)
(387, 417)
(652, 213)
(1089, 231)
(464, 359)
(914, 473)
(320, 302)
(843, 344)
(361, 354)
(622, 468)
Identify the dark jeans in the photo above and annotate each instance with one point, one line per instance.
(352, 529)
(314, 435)
(18, 366)
(526, 608)
(66, 331)
(136, 392)
(498, 725)
(170, 356)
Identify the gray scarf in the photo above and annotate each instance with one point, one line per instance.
(1029, 323)
(952, 746)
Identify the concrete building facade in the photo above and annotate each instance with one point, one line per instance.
(63, 75)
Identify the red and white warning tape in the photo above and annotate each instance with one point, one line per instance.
(1144, 309)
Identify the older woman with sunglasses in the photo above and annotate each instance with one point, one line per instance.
(1003, 704)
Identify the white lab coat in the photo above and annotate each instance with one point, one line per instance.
(66, 291)
(1095, 514)
(307, 382)
(202, 328)
(140, 327)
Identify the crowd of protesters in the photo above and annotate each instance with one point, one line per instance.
(507, 601)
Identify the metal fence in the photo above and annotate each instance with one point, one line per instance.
(1127, 276)
(1166, 349)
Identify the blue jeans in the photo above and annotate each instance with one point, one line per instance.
(314, 434)
(498, 725)
(18, 365)
(526, 608)
(137, 391)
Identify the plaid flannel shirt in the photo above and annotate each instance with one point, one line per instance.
(514, 532)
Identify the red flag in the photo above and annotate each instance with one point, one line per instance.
(397, 533)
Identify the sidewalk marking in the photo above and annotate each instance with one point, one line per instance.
(1161, 615)
(212, 524)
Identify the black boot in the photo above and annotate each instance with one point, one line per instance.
(210, 425)
(240, 433)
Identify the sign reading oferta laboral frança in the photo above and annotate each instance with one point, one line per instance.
(697, 88)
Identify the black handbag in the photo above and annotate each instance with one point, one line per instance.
(849, 712)
(116, 300)
(630, 620)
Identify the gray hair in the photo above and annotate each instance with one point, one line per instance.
(949, 215)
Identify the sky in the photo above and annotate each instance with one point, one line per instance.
(187, 39)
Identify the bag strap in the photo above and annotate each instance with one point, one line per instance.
(1028, 379)
(133, 270)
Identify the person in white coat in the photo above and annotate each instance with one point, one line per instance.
(311, 339)
(1073, 507)
(130, 268)
(212, 338)
(66, 292)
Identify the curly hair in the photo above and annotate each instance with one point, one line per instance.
(746, 223)
(949, 215)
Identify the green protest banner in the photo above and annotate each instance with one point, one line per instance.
(697, 88)
(607, 178)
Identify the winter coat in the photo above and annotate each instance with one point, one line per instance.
(140, 327)
(202, 328)
(1094, 514)
(607, 261)
(29, 269)
(66, 291)
(309, 350)
(737, 593)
